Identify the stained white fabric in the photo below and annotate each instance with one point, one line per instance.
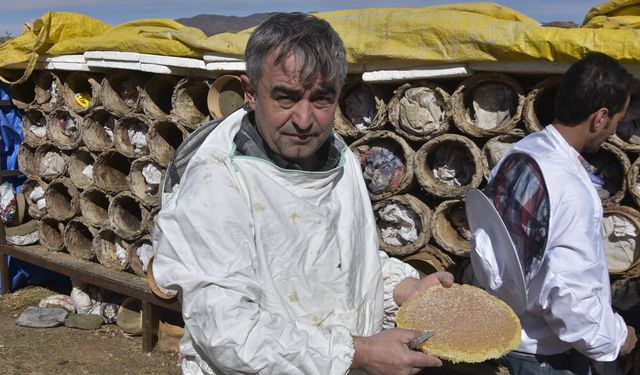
(494, 257)
(620, 242)
(152, 177)
(39, 130)
(7, 198)
(41, 203)
(420, 111)
(53, 91)
(138, 138)
(109, 132)
(68, 126)
(81, 300)
(152, 174)
(22, 240)
(277, 269)
(36, 194)
(88, 171)
(52, 164)
(122, 254)
(491, 104)
(399, 225)
(145, 253)
(452, 165)
(58, 300)
(485, 264)
(86, 298)
(569, 296)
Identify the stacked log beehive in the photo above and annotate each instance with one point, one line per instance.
(422, 145)
(95, 149)
(94, 141)
(442, 137)
(446, 136)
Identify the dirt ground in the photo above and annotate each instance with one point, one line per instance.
(63, 350)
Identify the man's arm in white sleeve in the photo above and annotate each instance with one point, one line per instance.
(572, 298)
(401, 282)
(393, 272)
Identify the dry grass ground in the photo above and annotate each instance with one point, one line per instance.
(65, 350)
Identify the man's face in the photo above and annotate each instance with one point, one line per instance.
(293, 119)
(608, 130)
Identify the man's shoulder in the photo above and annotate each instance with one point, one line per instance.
(544, 154)
(519, 174)
(185, 152)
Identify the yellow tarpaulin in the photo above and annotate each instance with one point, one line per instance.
(615, 14)
(40, 35)
(456, 33)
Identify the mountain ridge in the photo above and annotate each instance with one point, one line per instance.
(212, 24)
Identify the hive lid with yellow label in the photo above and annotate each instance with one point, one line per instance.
(470, 325)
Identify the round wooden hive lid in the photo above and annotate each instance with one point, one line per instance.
(159, 291)
(470, 325)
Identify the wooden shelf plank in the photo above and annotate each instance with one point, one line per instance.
(89, 272)
(14, 172)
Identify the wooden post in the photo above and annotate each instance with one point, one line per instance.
(149, 324)
(4, 262)
(4, 272)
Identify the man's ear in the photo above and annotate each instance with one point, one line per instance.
(600, 119)
(249, 90)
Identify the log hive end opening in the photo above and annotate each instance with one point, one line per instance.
(383, 164)
(61, 197)
(23, 94)
(190, 104)
(51, 234)
(97, 130)
(157, 96)
(111, 170)
(94, 205)
(79, 240)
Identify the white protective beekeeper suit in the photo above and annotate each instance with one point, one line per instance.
(277, 268)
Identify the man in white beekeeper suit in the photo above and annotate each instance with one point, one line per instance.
(543, 190)
(267, 231)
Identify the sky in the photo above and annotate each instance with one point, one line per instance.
(14, 13)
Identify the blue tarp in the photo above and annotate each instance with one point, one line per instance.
(10, 138)
(21, 274)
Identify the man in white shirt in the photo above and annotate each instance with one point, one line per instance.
(267, 231)
(545, 196)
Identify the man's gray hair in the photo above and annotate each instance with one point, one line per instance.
(315, 44)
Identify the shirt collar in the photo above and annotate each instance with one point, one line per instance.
(555, 134)
(580, 163)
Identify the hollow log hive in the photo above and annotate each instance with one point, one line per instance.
(98, 146)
